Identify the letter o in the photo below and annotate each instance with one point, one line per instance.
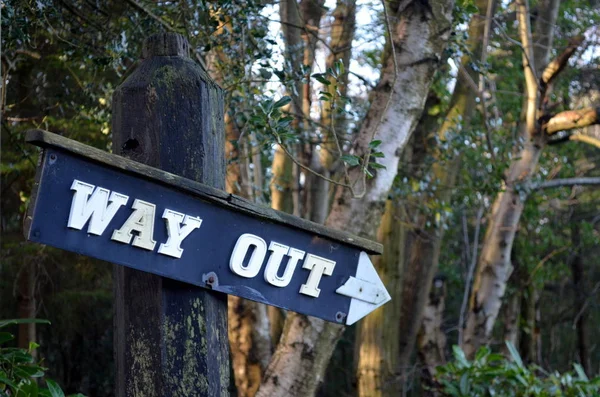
(236, 262)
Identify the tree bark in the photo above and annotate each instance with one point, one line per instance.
(578, 274)
(512, 314)
(419, 36)
(377, 336)
(528, 341)
(26, 302)
(494, 267)
(424, 238)
(432, 339)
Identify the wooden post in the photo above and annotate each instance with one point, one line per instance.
(170, 337)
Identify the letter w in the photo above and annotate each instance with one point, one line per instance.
(96, 207)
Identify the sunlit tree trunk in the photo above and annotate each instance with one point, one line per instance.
(423, 242)
(378, 339)
(494, 267)
(378, 336)
(306, 345)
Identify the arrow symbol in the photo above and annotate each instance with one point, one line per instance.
(366, 290)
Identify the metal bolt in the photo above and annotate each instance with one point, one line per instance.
(211, 279)
(52, 158)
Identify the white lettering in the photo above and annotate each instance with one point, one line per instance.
(141, 221)
(318, 267)
(243, 244)
(177, 233)
(277, 253)
(96, 207)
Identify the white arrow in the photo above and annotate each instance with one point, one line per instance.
(366, 290)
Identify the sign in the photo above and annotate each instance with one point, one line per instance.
(111, 208)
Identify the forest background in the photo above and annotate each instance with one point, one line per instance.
(460, 134)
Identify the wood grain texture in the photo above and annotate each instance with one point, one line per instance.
(170, 337)
(202, 191)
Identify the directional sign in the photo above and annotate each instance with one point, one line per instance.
(111, 208)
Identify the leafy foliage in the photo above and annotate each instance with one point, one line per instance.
(491, 374)
(20, 372)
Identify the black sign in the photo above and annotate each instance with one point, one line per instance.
(117, 210)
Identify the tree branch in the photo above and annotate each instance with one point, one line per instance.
(147, 11)
(571, 119)
(585, 139)
(559, 63)
(567, 182)
(531, 81)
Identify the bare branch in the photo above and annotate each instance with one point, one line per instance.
(571, 119)
(567, 182)
(146, 11)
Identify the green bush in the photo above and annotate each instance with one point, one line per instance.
(20, 372)
(491, 374)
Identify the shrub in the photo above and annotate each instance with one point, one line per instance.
(491, 374)
(20, 372)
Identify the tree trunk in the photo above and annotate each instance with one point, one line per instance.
(26, 302)
(378, 338)
(424, 237)
(250, 343)
(420, 35)
(578, 274)
(494, 267)
(432, 339)
(528, 341)
(512, 315)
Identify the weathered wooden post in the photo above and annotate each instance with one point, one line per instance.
(170, 337)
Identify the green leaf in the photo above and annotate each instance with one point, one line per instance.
(55, 390)
(581, 372)
(33, 346)
(377, 154)
(4, 323)
(350, 160)
(5, 337)
(282, 102)
(459, 355)
(482, 353)
(374, 144)
(320, 77)
(28, 389)
(464, 384)
(26, 371)
(515, 354)
(6, 381)
(377, 165)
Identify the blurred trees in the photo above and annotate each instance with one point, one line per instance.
(424, 124)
